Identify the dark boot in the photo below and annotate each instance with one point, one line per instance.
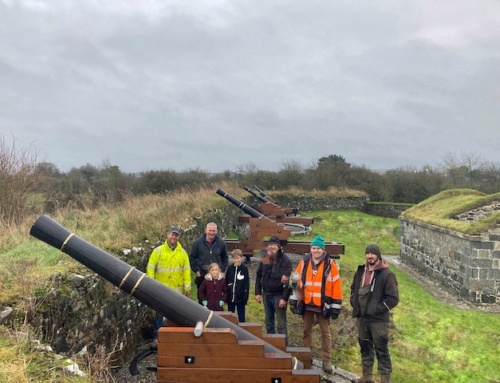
(367, 375)
(386, 378)
(327, 367)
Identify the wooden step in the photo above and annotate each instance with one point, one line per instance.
(215, 375)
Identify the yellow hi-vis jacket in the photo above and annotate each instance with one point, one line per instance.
(170, 267)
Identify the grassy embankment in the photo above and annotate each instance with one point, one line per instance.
(432, 342)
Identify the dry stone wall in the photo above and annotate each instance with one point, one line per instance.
(305, 202)
(466, 264)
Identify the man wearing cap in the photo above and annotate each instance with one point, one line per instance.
(319, 292)
(169, 264)
(207, 249)
(374, 292)
(271, 286)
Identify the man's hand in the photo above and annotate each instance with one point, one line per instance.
(198, 274)
(284, 279)
(187, 293)
(282, 303)
(258, 298)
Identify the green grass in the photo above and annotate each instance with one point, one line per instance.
(441, 208)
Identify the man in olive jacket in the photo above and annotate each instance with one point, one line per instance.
(374, 292)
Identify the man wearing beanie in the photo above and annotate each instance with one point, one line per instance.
(319, 293)
(374, 292)
(271, 286)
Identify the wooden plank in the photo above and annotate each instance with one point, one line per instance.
(276, 340)
(306, 376)
(276, 362)
(303, 354)
(231, 317)
(186, 335)
(251, 349)
(214, 375)
(253, 328)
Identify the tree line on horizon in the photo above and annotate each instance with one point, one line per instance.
(28, 184)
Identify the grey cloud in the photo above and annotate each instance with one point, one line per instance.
(219, 85)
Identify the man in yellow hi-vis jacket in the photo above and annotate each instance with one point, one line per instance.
(169, 264)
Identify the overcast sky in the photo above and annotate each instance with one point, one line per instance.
(215, 85)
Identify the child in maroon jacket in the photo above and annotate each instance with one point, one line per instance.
(213, 289)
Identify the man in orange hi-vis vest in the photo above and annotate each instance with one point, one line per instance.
(319, 293)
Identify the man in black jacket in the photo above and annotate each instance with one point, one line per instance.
(207, 249)
(271, 286)
(374, 291)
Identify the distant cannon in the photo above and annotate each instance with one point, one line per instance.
(260, 226)
(256, 195)
(180, 310)
(263, 194)
(241, 205)
(290, 210)
(277, 213)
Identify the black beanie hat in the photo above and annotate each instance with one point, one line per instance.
(374, 249)
(274, 240)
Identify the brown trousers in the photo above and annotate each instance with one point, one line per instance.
(324, 326)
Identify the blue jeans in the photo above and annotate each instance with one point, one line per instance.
(273, 311)
(158, 322)
(237, 306)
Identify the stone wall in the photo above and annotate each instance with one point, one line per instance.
(385, 210)
(308, 203)
(466, 264)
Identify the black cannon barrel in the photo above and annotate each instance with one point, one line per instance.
(236, 202)
(166, 301)
(259, 197)
(269, 199)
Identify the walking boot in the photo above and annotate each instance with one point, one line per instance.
(386, 378)
(327, 367)
(367, 375)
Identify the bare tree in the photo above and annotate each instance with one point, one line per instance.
(291, 173)
(20, 177)
(465, 171)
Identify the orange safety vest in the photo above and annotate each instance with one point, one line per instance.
(323, 283)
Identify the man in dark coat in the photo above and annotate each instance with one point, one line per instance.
(207, 249)
(374, 292)
(271, 286)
